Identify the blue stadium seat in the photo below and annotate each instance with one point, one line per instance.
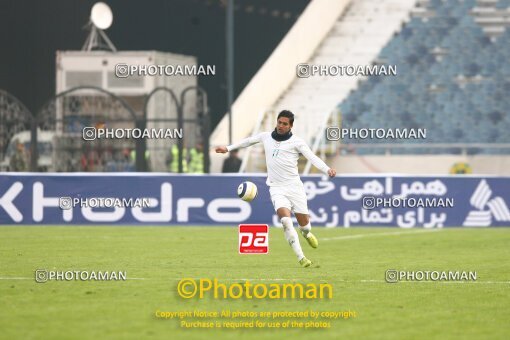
(445, 95)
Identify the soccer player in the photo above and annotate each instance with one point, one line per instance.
(287, 192)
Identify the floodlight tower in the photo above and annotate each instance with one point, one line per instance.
(101, 18)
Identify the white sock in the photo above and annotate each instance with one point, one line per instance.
(292, 237)
(306, 228)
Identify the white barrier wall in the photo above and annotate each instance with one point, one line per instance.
(420, 165)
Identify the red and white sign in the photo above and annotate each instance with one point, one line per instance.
(253, 239)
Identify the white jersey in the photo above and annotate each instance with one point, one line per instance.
(282, 157)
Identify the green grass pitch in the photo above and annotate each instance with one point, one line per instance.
(353, 261)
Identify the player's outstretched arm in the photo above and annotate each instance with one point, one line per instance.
(242, 144)
(316, 161)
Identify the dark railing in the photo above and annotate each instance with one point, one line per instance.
(60, 121)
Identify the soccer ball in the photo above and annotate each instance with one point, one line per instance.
(247, 191)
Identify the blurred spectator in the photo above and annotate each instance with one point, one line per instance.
(132, 166)
(196, 162)
(174, 159)
(232, 163)
(18, 160)
(89, 160)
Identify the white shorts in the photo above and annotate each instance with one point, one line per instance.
(292, 197)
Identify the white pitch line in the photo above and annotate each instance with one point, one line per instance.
(344, 281)
(463, 282)
(349, 237)
(245, 279)
(294, 279)
(33, 278)
(351, 281)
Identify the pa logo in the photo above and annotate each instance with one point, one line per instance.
(253, 239)
(481, 200)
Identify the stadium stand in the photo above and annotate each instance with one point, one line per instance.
(453, 76)
(356, 39)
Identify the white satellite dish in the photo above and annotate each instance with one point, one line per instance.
(101, 18)
(101, 15)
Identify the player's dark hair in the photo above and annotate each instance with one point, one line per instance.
(287, 114)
